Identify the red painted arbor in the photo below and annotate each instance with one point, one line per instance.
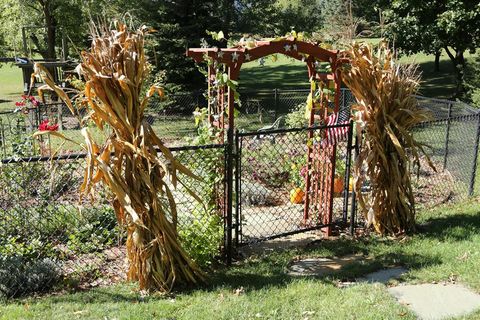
(320, 160)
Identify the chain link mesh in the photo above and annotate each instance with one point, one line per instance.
(272, 173)
(53, 241)
(450, 144)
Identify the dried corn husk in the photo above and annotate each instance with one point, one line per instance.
(129, 162)
(386, 110)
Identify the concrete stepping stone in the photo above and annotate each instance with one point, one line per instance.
(320, 266)
(383, 276)
(437, 301)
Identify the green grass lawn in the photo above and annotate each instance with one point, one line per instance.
(10, 85)
(446, 248)
(287, 73)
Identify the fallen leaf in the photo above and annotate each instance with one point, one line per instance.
(79, 312)
(464, 257)
(239, 291)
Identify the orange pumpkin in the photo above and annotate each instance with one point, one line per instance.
(338, 185)
(296, 195)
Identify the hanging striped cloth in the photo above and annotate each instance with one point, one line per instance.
(337, 134)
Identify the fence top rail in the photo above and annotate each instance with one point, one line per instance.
(455, 118)
(464, 105)
(76, 156)
(288, 130)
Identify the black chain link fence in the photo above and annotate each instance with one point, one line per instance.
(52, 241)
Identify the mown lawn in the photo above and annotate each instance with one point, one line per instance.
(287, 73)
(447, 248)
(11, 86)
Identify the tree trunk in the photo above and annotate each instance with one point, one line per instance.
(460, 70)
(437, 60)
(50, 24)
(458, 61)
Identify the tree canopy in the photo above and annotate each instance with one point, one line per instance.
(413, 25)
(428, 26)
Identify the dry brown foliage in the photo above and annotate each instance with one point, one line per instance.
(385, 112)
(133, 162)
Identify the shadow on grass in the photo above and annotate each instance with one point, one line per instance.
(440, 84)
(459, 227)
(266, 273)
(270, 271)
(291, 76)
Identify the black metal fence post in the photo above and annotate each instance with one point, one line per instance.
(229, 187)
(447, 135)
(348, 160)
(275, 92)
(475, 159)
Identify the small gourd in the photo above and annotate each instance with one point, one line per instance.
(296, 196)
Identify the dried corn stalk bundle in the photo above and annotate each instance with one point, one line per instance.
(130, 161)
(386, 110)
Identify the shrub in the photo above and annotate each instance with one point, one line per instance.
(96, 230)
(26, 266)
(296, 118)
(472, 82)
(202, 237)
(20, 276)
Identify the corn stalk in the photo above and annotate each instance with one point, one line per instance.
(133, 162)
(386, 110)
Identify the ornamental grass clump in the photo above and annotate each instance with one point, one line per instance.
(386, 111)
(133, 162)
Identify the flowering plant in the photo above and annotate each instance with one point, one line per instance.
(297, 169)
(46, 126)
(27, 102)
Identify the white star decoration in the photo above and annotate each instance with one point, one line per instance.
(295, 48)
(261, 61)
(234, 56)
(287, 47)
(247, 57)
(220, 55)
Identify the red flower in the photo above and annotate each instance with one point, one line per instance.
(44, 126)
(20, 103)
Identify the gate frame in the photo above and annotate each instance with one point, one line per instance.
(233, 59)
(349, 149)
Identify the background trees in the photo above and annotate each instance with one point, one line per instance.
(430, 26)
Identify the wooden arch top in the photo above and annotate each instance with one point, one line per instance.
(252, 50)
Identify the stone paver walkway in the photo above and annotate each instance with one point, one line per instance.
(437, 301)
(320, 266)
(427, 301)
(383, 276)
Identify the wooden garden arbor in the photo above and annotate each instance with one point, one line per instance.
(320, 160)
